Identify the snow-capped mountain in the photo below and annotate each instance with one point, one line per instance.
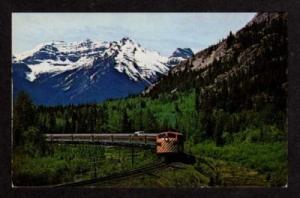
(179, 55)
(81, 72)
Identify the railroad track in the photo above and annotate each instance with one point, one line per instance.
(119, 175)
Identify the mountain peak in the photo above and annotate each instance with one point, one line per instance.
(183, 52)
(179, 55)
(86, 43)
(126, 39)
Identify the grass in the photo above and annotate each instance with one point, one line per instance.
(67, 163)
(167, 177)
(236, 164)
(269, 159)
(217, 173)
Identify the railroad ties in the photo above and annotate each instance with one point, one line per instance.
(119, 175)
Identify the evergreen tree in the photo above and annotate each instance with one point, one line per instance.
(126, 123)
(34, 141)
(52, 123)
(24, 115)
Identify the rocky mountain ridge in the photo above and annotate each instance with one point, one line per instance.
(88, 71)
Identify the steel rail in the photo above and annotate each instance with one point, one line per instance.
(119, 175)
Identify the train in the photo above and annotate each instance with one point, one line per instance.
(165, 143)
(168, 144)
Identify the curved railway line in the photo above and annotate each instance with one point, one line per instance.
(136, 171)
(168, 145)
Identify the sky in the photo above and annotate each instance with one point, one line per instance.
(163, 32)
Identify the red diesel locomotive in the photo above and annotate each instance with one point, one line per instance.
(169, 142)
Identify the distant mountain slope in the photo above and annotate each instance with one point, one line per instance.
(81, 72)
(247, 70)
(179, 55)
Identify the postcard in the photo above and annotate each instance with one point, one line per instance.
(149, 100)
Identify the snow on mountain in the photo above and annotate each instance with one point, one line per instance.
(179, 55)
(139, 63)
(89, 71)
(58, 57)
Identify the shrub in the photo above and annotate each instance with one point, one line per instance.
(34, 141)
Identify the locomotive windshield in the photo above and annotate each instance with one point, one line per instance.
(171, 135)
(162, 135)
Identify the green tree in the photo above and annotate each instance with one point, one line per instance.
(126, 123)
(34, 142)
(23, 117)
(219, 118)
(151, 124)
(52, 123)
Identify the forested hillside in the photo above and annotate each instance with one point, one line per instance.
(243, 75)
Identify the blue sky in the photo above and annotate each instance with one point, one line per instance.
(163, 32)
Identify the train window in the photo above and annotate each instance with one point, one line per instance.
(171, 135)
(162, 135)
